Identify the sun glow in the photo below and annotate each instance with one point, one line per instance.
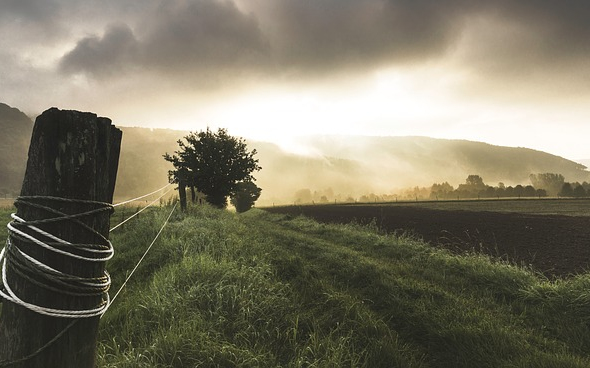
(412, 102)
(386, 104)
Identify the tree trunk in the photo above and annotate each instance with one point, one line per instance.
(193, 194)
(72, 155)
(182, 194)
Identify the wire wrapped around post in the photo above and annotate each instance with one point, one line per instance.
(37, 272)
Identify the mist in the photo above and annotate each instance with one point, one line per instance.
(365, 168)
(315, 168)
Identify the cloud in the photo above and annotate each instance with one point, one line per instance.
(115, 52)
(203, 34)
(546, 31)
(330, 34)
(29, 10)
(500, 49)
(181, 39)
(304, 39)
(526, 50)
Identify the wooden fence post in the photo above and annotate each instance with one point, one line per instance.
(72, 155)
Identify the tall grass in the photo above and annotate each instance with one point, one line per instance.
(5, 219)
(259, 290)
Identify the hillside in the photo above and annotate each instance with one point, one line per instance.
(339, 167)
(353, 166)
(426, 160)
(261, 290)
(347, 166)
(16, 128)
(141, 166)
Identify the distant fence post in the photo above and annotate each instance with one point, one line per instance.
(71, 169)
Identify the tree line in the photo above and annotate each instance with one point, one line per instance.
(542, 185)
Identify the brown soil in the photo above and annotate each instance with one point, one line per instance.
(555, 245)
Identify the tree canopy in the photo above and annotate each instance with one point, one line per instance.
(245, 195)
(214, 163)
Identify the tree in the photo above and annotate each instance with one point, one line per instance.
(245, 195)
(541, 193)
(442, 190)
(579, 191)
(475, 181)
(473, 186)
(552, 183)
(529, 191)
(303, 196)
(518, 191)
(214, 163)
(566, 190)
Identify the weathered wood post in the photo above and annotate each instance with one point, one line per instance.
(73, 155)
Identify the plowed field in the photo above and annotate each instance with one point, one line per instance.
(556, 245)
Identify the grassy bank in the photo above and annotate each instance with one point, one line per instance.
(262, 290)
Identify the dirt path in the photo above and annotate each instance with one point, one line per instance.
(554, 245)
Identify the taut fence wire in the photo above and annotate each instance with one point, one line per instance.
(141, 210)
(141, 197)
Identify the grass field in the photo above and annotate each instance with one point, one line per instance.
(6, 203)
(4, 219)
(264, 290)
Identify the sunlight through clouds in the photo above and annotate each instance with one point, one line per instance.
(268, 69)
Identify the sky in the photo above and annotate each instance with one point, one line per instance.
(505, 72)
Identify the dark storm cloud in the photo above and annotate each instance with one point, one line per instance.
(25, 23)
(544, 33)
(204, 33)
(29, 10)
(181, 38)
(327, 33)
(324, 36)
(116, 51)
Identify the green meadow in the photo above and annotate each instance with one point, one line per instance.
(220, 289)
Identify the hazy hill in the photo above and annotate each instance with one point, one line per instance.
(341, 166)
(16, 128)
(141, 166)
(422, 160)
(382, 165)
